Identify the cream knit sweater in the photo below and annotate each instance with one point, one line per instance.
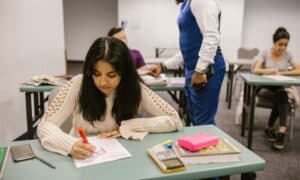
(164, 118)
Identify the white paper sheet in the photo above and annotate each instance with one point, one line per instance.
(280, 78)
(107, 149)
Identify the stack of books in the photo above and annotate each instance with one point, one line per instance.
(43, 79)
(224, 151)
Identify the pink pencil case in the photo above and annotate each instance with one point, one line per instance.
(197, 141)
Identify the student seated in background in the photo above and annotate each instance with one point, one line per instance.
(105, 100)
(277, 61)
(142, 68)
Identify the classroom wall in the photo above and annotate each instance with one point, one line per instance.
(32, 42)
(262, 17)
(150, 24)
(153, 24)
(85, 21)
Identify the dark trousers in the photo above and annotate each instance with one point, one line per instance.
(280, 106)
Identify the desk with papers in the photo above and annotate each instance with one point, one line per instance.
(139, 166)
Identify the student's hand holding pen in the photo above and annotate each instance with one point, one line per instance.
(82, 149)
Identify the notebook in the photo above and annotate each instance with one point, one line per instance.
(224, 151)
(3, 157)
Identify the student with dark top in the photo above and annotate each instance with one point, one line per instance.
(277, 61)
(119, 33)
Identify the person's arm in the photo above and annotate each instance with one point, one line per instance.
(174, 62)
(51, 135)
(296, 67)
(207, 17)
(294, 72)
(258, 69)
(164, 117)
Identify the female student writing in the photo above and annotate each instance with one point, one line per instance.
(107, 96)
(277, 61)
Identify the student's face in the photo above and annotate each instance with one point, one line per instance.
(121, 36)
(280, 46)
(106, 77)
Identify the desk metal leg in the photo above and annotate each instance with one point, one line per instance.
(252, 111)
(227, 87)
(38, 106)
(41, 104)
(230, 76)
(245, 108)
(29, 115)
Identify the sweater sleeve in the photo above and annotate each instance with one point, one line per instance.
(164, 116)
(61, 108)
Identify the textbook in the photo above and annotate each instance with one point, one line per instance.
(224, 151)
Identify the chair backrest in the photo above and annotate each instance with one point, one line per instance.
(249, 54)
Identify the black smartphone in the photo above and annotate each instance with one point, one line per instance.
(21, 152)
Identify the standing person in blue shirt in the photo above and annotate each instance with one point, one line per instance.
(199, 37)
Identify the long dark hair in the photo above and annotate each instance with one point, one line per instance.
(281, 33)
(128, 93)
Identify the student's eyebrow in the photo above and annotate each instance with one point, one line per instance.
(112, 72)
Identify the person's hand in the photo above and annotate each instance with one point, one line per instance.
(272, 71)
(113, 133)
(82, 150)
(198, 80)
(127, 133)
(155, 70)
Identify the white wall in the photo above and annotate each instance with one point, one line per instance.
(262, 17)
(231, 27)
(85, 21)
(150, 24)
(154, 24)
(32, 42)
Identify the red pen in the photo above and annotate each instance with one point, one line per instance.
(82, 135)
